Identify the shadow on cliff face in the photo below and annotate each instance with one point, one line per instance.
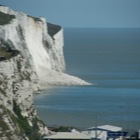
(6, 52)
(53, 29)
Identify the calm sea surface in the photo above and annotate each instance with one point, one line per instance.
(109, 58)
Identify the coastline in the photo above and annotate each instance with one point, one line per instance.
(55, 78)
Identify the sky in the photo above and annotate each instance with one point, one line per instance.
(82, 13)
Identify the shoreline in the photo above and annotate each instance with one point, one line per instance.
(54, 78)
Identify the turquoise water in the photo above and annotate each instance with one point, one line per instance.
(108, 58)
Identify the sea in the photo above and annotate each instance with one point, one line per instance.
(109, 58)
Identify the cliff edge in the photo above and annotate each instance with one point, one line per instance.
(31, 57)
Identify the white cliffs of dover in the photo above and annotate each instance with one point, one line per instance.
(31, 56)
(43, 52)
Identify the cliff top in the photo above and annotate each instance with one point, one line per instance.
(5, 18)
(53, 29)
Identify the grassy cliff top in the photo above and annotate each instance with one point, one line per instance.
(53, 29)
(5, 18)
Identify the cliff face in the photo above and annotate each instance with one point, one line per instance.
(31, 57)
(30, 36)
(18, 118)
(40, 43)
(26, 52)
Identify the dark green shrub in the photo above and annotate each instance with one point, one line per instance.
(22, 121)
(5, 18)
(53, 29)
(31, 132)
(62, 129)
(5, 55)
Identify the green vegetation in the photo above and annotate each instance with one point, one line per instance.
(5, 18)
(30, 131)
(7, 54)
(53, 29)
(61, 128)
(7, 50)
(22, 121)
(3, 125)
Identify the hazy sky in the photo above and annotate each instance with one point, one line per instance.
(82, 13)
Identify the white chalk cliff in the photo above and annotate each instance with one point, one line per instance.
(31, 57)
(43, 51)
